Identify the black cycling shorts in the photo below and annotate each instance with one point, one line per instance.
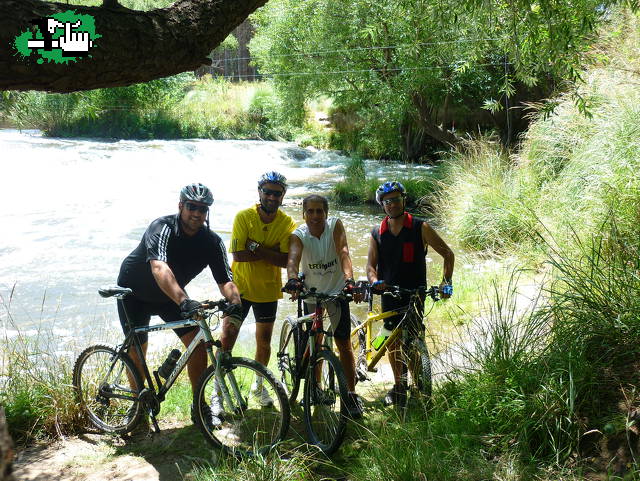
(140, 313)
(262, 311)
(391, 304)
(339, 315)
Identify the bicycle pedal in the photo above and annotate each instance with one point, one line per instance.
(373, 369)
(156, 427)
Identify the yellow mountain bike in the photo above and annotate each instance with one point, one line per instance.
(416, 375)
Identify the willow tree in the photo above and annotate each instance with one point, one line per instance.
(135, 46)
(410, 74)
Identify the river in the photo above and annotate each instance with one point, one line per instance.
(72, 209)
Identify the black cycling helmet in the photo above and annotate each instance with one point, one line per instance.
(196, 193)
(273, 177)
(389, 187)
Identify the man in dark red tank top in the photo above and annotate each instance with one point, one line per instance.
(397, 256)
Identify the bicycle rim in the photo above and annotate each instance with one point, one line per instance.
(287, 364)
(101, 378)
(324, 421)
(245, 426)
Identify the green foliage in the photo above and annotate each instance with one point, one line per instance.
(571, 173)
(174, 107)
(395, 66)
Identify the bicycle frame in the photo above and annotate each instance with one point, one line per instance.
(203, 335)
(373, 356)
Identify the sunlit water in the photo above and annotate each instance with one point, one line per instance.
(71, 210)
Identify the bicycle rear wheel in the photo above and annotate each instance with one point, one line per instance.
(243, 424)
(419, 363)
(101, 378)
(323, 402)
(288, 360)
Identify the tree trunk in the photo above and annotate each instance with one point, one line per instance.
(135, 46)
(6, 450)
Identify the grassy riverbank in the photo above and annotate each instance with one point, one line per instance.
(171, 108)
(541, 392)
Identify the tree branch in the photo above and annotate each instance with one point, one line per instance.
(135, 46)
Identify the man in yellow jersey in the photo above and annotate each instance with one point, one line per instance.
(259, 245)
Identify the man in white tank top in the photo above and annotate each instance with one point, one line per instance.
(318, 249)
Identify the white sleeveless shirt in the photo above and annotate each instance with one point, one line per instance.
(319, 263)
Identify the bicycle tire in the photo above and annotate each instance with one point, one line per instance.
(419, 363)
(99, 374)
(246, 428)
(359, 347)
(288, 361)
(324, 420)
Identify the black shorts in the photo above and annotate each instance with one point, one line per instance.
(140, 313)
(262, 311)
(339, 315)
(391, 304)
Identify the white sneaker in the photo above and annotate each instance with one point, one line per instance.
(261, 393)
(217, 408)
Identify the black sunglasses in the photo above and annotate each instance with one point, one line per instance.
(393, 200)
(275, 193)
(200, 208)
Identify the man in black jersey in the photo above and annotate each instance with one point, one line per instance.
(397, 256)
(174, 249)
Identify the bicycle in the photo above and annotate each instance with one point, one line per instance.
(110, 388)
(413, 345)
(302, 355)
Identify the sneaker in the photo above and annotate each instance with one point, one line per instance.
(396, 396)
(262, 395)
(353, 406)
(213, 419)
(321, 397)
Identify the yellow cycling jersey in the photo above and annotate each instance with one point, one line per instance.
(259, 281)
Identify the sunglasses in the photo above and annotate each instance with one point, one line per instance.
(393, 200)
(203, 209)
(275, 193)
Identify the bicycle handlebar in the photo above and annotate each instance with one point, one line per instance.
(305, 293)
(397, 291)
(212, 306)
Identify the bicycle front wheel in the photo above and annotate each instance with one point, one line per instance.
(288, 360)
(102, 379)
(254, 416)
(420, 368)
(359, 346)
(323, 402)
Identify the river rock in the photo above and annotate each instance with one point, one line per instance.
(6, 450)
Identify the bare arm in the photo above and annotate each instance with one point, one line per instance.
(163, 275)
(230, 292)
(295, 254)
(342, 249)
(372, 261)
(431, 237)
(293, 261)
(270, 255)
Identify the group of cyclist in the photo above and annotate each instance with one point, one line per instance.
(176, 248)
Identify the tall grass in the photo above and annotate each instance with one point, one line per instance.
(571, 170)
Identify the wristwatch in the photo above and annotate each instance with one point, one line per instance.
(253, 245)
